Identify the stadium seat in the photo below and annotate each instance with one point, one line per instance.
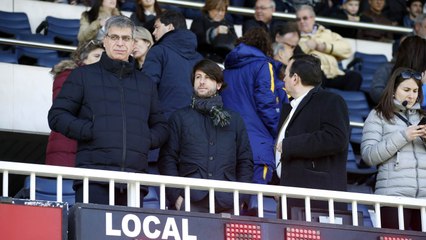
(64, 31)
(151, 200)
(355, 165)
(46, 189)
(356, 101)
(13, 23)
(356, 132)
(269, 207)
(31, 55)
(8, 57)
(367, 65)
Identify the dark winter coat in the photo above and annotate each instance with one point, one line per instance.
(315, 147)
(113, 111)
(198, 149)
(169, 63)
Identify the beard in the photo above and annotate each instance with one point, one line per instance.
(207, 94)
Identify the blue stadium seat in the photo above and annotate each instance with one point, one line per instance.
(35, 53)
(8, 57)
(356, 166)
(13, 23)
(46, 189)
(367, 65)
(356, 132)
(269, 207)
(64, 31)
(356, 101)
(152, 199)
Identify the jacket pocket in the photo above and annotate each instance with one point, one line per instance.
(404, 160)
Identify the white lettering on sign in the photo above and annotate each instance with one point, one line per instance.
(131, 226)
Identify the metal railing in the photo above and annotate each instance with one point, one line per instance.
(135, 180)
(289, 16)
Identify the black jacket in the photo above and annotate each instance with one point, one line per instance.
(198, 149)
(315, 147)
(169, 63)
(113, 111)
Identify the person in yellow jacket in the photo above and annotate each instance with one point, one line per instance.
(329, 47)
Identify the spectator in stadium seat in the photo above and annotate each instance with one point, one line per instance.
(170, 61)
(420, 26)
(350, 12)
(287, 37)
(216, 36)
(61, 150)
(393, 141)
(143, 42)
(145, 13)
(329, 47)
(92, 22)
(206, 141)
(262, 17)
(112, 110)
(376, 14)
(414, 8)
(411, 54)
(251, 74)
(312, 145)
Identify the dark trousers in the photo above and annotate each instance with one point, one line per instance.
(99, 193)
(389, 216)
(203, 206)
(351, 81)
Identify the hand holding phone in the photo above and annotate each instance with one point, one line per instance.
(422, 121)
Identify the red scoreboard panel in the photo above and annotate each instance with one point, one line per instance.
(24, 219)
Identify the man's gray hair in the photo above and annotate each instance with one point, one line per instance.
(306, 7)
(120, 22)
(277, 47)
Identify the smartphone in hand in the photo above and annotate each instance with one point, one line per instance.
(422, 121)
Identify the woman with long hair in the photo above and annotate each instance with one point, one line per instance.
(394, 141)
(145, 13)
(92, 22)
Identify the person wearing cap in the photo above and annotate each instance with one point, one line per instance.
(206, 141)
(143, 42)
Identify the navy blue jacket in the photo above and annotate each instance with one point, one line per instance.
(169, 63)
(252, 92)
(198, 149)
(113, 111)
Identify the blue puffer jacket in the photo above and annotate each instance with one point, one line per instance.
(113, 111)
(169, 63)
(251, 91)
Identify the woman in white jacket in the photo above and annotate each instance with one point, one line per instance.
(395, 143)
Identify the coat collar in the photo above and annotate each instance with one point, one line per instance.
(119, 68)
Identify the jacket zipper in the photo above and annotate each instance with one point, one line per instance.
(123, 113)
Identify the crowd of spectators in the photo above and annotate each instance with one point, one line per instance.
(256, 67)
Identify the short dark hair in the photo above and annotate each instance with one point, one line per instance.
(308, 67)
(284, 28)
(409, 2)
(172, 17)
(211, 69)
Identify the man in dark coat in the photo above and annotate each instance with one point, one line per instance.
(113, 111)
(170, 61)
(314, 132)
(206, 142)
(263, 17)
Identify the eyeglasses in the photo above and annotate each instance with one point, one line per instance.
(298, 19)
(115, 38)
(409, 74)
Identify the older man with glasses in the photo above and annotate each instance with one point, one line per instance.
(262, 17)
(329, 47)
(112, 110)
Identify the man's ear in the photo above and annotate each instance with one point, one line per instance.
(170, 27)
